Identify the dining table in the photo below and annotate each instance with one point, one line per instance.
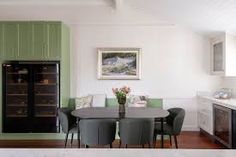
(114, 113)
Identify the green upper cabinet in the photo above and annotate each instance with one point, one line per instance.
(10, 40)
(54, 40)
(31, 40)
(1, 40)
(24, 40)
(39, 40)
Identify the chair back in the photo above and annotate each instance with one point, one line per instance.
(66, 119)
(136, 131)
(176, 119)
(97, 131)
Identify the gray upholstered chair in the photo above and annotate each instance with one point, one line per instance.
(68, 123)
(97, 131)
(173, 125)
(136, 131)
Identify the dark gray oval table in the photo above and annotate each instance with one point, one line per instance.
(113, 113)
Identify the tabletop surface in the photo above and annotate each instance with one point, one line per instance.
(113, 112)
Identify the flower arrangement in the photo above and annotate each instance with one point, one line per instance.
(121, 94)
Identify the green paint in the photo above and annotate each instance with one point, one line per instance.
(65, 65)
(110, 102)
(41, 41)
(151, 102)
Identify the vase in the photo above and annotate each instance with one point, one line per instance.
(122, 101)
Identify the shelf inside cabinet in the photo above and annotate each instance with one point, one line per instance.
(46, 84)
(14, 115)
(15, 73)
(46, 105)
(16, 94)
(45, 94)
(17, 105)
(46, 73)
(44, 115)
(18, 84)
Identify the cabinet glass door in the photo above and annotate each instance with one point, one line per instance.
(17, 82)
(218, 63)
(46, 87)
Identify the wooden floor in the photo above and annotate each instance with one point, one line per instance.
(187, 140)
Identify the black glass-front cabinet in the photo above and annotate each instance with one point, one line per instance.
(30, 96)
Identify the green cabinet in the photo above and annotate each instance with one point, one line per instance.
(24, 40)
(10, 40)
(1, 40)
(54, 40)
(39, 40)
(31, 40)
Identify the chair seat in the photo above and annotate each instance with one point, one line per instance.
(167, 129)
(74, 129)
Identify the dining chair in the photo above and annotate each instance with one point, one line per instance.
(97, 131)
(173, 124)
(136, 131)
(68, 123)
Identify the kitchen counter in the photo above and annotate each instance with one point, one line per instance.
(115, 153)
(230, 103)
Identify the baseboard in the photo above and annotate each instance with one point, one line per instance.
(190, 128)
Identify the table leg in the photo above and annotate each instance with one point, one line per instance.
(162, 132)
(78, 133)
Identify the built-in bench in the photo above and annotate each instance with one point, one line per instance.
(110, 102)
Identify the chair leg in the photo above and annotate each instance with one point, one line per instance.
(170, 140)
(120, 144)
(66, 139)
(111, 145)
(71, 141)
(176, 142)
(126, 146)
(154, 140)
(86, 146)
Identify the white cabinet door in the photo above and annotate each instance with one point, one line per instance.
(205, 115)
(218, 56)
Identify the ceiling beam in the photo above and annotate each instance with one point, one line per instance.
(118, 4)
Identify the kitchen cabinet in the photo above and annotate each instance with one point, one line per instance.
(39, 40)
(205, 115)
(1, 40)
(223, 55)
(24, 38)
(10, 40)
(31, 40)
(54, 40)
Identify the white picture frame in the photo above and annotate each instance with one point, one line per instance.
(119, 63)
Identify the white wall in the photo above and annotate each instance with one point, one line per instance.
(175, 63)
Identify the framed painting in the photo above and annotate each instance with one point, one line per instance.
(119, 63)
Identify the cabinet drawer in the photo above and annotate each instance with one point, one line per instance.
(205, 121)
(205, 104)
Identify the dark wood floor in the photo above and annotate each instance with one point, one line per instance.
(187, 140)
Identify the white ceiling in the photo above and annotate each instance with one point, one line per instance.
(205, 16)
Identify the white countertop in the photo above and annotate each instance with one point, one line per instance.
(116, 153)
(230, 103)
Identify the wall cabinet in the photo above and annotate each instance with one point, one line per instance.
(31, 40)
(1, 40)
(223, 55)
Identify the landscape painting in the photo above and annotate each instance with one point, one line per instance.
(119, 63)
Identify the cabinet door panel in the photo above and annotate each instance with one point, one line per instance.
(39, 40)
(1, 40)
(24, 41)
(54, 40)
(10, 41)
